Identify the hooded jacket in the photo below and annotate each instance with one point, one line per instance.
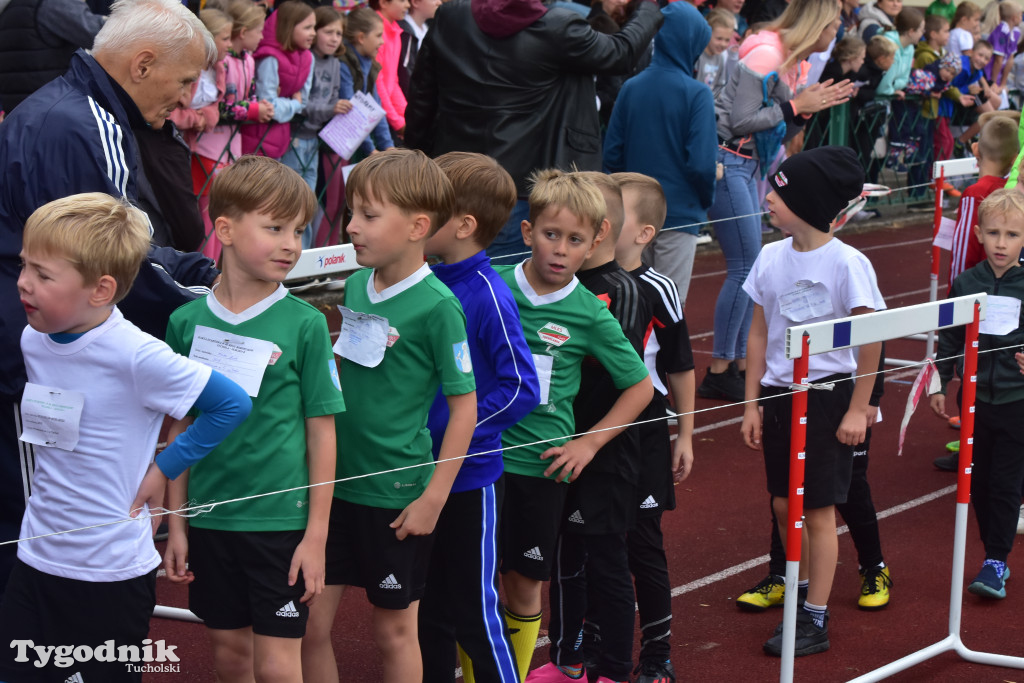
(515, 80)
(663, 124)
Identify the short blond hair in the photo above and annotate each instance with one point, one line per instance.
(879, 46)
(651, 206)
(720, 18)
(612, 193)
(98, 234)
(555, 189)
(407, 178)
(256, 183)
(1002, 203)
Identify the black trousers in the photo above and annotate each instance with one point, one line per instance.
(649, 565)
(997, 475)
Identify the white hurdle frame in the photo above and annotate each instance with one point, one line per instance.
(803, 341)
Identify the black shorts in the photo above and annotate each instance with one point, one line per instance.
(828, 464)
(362, 550)
(530, 518)
(82, 616)
(599, 503)
(656, 488)
(242, 580)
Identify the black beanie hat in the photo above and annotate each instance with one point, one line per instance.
(818, 183)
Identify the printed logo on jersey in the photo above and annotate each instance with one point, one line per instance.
(275, 354)
(333, 369)
(288, 610)
(392, 336)
(576, 518)
(462, 359)
(553, 334)
(648, 503)
(534, 554)
(390, 583)
(781, 180)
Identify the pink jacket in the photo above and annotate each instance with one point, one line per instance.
(391, 96)
(237, 106)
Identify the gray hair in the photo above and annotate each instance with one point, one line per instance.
(166, 25)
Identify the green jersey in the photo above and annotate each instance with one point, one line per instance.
(562, 328)
(385, 426)
(267, 452)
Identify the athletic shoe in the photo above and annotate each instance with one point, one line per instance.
(809, 638)
(771, 592)
(874, 588)
(954, 422)
(723, 386)
(988, 584)
(655, 672)
(549, 673)
(947, 463)
(1020, 521)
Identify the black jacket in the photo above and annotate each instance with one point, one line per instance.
(524, 95)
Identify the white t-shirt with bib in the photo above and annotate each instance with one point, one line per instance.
(779, 270)
(129, 380)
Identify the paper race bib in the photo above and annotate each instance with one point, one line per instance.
(1002, 315)
(363, 338)
(806, 300)
(50, 416)
(243, 360)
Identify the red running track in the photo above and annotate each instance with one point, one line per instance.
(717, 538)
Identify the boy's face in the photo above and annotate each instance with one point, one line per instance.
(265, 248)
(631, 228)
(980, 57)
(54, 294)
(380, 231)
(444, 243)
(560, 242)
(946, 74)
(1003, 238)
(721, 36)
(885, 62)
(939, 38)
(779, 214)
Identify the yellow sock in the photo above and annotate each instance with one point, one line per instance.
(522, 633)
(467, 666)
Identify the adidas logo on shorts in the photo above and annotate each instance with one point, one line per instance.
(391, 583)
(74, 678)
(288, 610)
(534, 554)
(576, 518)
(648, 503)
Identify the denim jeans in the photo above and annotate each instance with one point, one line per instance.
(302, 157)
(740, 239)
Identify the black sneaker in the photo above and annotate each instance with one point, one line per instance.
(655, 672)
(723, 386)
(947, 463)
(809, 638)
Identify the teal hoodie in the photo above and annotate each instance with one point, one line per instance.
(898, 75)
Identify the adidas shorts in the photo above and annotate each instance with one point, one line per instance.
(53, 610)
(530, 518)
(599, 503)
(829, 464)
(242, 580)
(655, 488)
(362, 550)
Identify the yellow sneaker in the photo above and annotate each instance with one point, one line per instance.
(771, 592)
(874, 588)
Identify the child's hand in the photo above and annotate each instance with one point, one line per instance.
(935, 95)
(938, 404)
(266, 111)
(899, 96)
(751, 427)
(1019, 357)
(974, 88)
(297, 97)
(996, 89)
(967, 100)
(682, 460)
(417, 519)
(200, 124)
(342, 107)
(571, 457)
(854, 427)
(176, 558)
(308, 557)
(151, 492)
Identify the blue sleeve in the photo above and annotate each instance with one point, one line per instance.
(346, 89)
(224, 405)
(267, 84)
(702, 147)
(381, 134)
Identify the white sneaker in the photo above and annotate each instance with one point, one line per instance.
(1020, 521)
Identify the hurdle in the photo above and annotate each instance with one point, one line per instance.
(324, 261)
(803, 341)
(941, 171)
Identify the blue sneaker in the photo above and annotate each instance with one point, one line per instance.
(988, 583)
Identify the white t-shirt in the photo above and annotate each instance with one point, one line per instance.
(960, 40)
(129, 380)
(845, 273)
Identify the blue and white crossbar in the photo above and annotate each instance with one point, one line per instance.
(883, 325)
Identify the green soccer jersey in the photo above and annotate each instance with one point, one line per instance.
(267, 452)
(385, 426)
(561, 328)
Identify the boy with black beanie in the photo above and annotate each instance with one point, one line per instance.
(810, 277)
